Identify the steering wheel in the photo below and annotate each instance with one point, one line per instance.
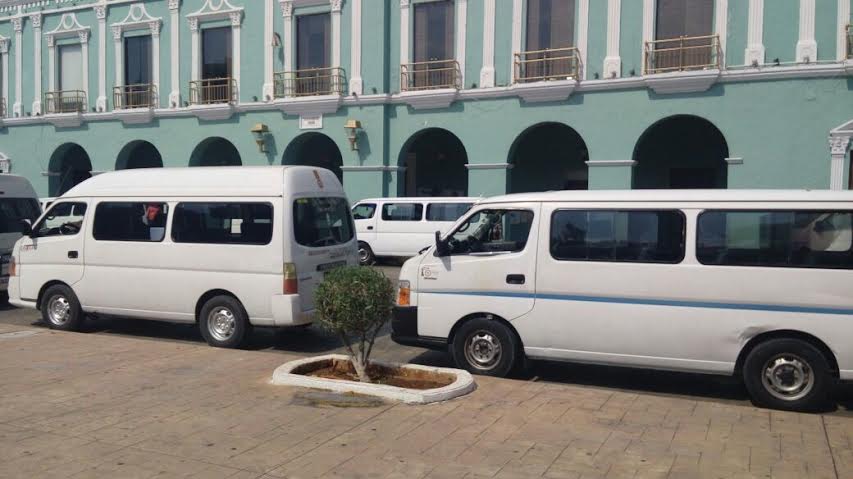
(69, 229)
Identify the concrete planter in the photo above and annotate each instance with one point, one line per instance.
(463, 384)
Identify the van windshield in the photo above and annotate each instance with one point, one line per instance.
(13, 210)
(322, 221)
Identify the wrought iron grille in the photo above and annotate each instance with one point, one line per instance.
(544, 65)
(683, 54)
(430, 75)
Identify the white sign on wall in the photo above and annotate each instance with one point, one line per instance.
(314, 122)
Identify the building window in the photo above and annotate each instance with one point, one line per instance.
(138, 88)
(684, 37)
(216, 84)
(119, 221)
(313, 56)
(402, 212)
(70, 96)
(434, 65)
(223, 223)
(550, 35)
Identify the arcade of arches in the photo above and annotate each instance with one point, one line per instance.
(314, 149)
(69, 165)
(215, 151)
(548, 157)
(138, 154)
(435, 163)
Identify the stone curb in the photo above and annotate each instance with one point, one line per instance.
(464, 383)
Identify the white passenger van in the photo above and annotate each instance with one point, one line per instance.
(222, 247)
(753, 283)
(18, 201)
(400, 227)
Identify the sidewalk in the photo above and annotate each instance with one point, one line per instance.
(90, 406)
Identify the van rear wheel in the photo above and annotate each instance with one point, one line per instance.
(365, 254)
(223, 322)
(485, 347)
(60, 308)
(788, 374)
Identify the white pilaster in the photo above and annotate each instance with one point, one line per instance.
(18, 26)
(268, 87)
(4, 65)
(841, 36)
(722, 26)
(175, 54)
(461, 36)
(517, 21)
(754, 54)
(613, 62)
(155, 60)
(356, 84)
(838, 149)
(51, 63)
(487, 72)
(583, 34)
(336, 33)
(807, 46)
(648, 28)
(287, 13)
(84, 48)
(404, 31)
(35, 19)
(118, 59)
(194, 47)
(101, 15)
(236, 29)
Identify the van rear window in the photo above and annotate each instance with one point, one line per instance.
(13, 210)
(321, 222)
(223, 223)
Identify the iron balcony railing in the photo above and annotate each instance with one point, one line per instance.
(66, 101)
(310, 82)
(850, 42)
(683, 54)
(128, 97)
(545, 65)
(430, 75)
(213, 91)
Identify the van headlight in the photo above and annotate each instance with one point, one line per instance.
(404, 293)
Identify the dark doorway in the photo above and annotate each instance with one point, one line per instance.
(314, 149)
(215, 151)
(435, 162)
(138, 154)
(548, 157)
(69, 166)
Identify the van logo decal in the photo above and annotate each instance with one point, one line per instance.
(319, 181)
(428, 273)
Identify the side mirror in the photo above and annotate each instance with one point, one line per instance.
(26, 227)
(441, 247)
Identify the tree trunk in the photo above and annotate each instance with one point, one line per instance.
(360, 368)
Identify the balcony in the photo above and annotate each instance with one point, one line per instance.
(132, 97)
(547, 65)
(683, 54)
(68, 101)
(431, 75)
(213, 91)
(310, 82)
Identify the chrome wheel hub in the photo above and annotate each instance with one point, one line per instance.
(221, 324)
(787, 377)
(483, 350)
(362, 255)
(58, 310)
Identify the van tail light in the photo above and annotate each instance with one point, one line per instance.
(13, 267)
(290, 283)
(404, 293)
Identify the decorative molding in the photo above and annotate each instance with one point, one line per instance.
(135, 116)
(5, 161)
(356, 84)
(630, 163)
(682, 82)
(806, 45)
(841, 36)
(69, 27)
(217, 10)
(18, 24)
(722, 26)
(65, 120)
(489, 166)
(405, 24)
(310, 106)
(36, 19)
(218, 112)
(649, 14)
(174, 4)
(754, 54)
(138, 18)
(337, 5)
(549, 91)
(517, 22)
(583, 35)
(487, 72)
(193, 23)
(838, 145)
(18, 106)
(268, 87)
(461, 34)
(4, 73)
(429, 99)
(4, 45)
(336, 32)
(613, 62)
(174, 54)
(286, 8)
(101, 15)
(101, 12)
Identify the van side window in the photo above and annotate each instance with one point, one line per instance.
(492, 231)
(446, 211)
(619, 236)
(402, 211)
(363, 211)
(784, 239)
(223, 223)
(63, 219)
(130, 221)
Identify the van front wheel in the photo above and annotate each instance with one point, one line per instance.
(485, 347)
(223, 322)
(365, 254)
(787, 374)
(60, 308)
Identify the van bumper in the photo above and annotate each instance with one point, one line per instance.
(287, 311)
(404, 330)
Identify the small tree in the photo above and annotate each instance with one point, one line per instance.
(355, 302)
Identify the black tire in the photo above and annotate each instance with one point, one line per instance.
(485, 347)
(223, 322)
(776, 365)
(60, 308)
(365, 254)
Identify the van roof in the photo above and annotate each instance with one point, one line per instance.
(677, 196)
(422, 199)
(15, 186)
(207, 181)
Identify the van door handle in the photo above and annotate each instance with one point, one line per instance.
(370, 227)
(73, 254)
(515, 279)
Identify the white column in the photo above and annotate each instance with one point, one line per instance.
(101, 14)
(487, 72)
(175, 54)
(648, 28)
(118, 56)
(722, 27)
(51, 63)
(517, 19)
(841, 36)
(287, 41)
(4, 65)
(18, 26)
(267, 90)
(35, 19)
(838, 149)
(356, 84)
(84, 49)
(583, 34)
(461, 36)
(194, 50)
(613, 62)
(155, 60)
(336, 33)
(404, 31)
(754, 54)
(807, 46)
(236, 19)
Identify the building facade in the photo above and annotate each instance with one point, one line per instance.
(434, 97)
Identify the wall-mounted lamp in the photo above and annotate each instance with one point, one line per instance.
(260, 131)
(276, 40)
(353, 128)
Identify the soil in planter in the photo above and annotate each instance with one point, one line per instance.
(399, 377)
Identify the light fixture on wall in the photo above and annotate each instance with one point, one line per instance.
(353, 128)
(276, 40)
(260, 132)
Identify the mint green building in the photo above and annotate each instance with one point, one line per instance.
(434, 97)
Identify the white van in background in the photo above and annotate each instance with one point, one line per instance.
(751, 283)
(223, 247)
(400, 227)
(18, 201)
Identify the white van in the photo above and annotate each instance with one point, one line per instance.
(751, 283)
(18, 201)
(222, 247)
(401, 227)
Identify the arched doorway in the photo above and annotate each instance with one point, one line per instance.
(69, 166)
(215, 151)
(138, 154)
(314, 149)
(548, 157)
(679, 152)
(435, 162)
